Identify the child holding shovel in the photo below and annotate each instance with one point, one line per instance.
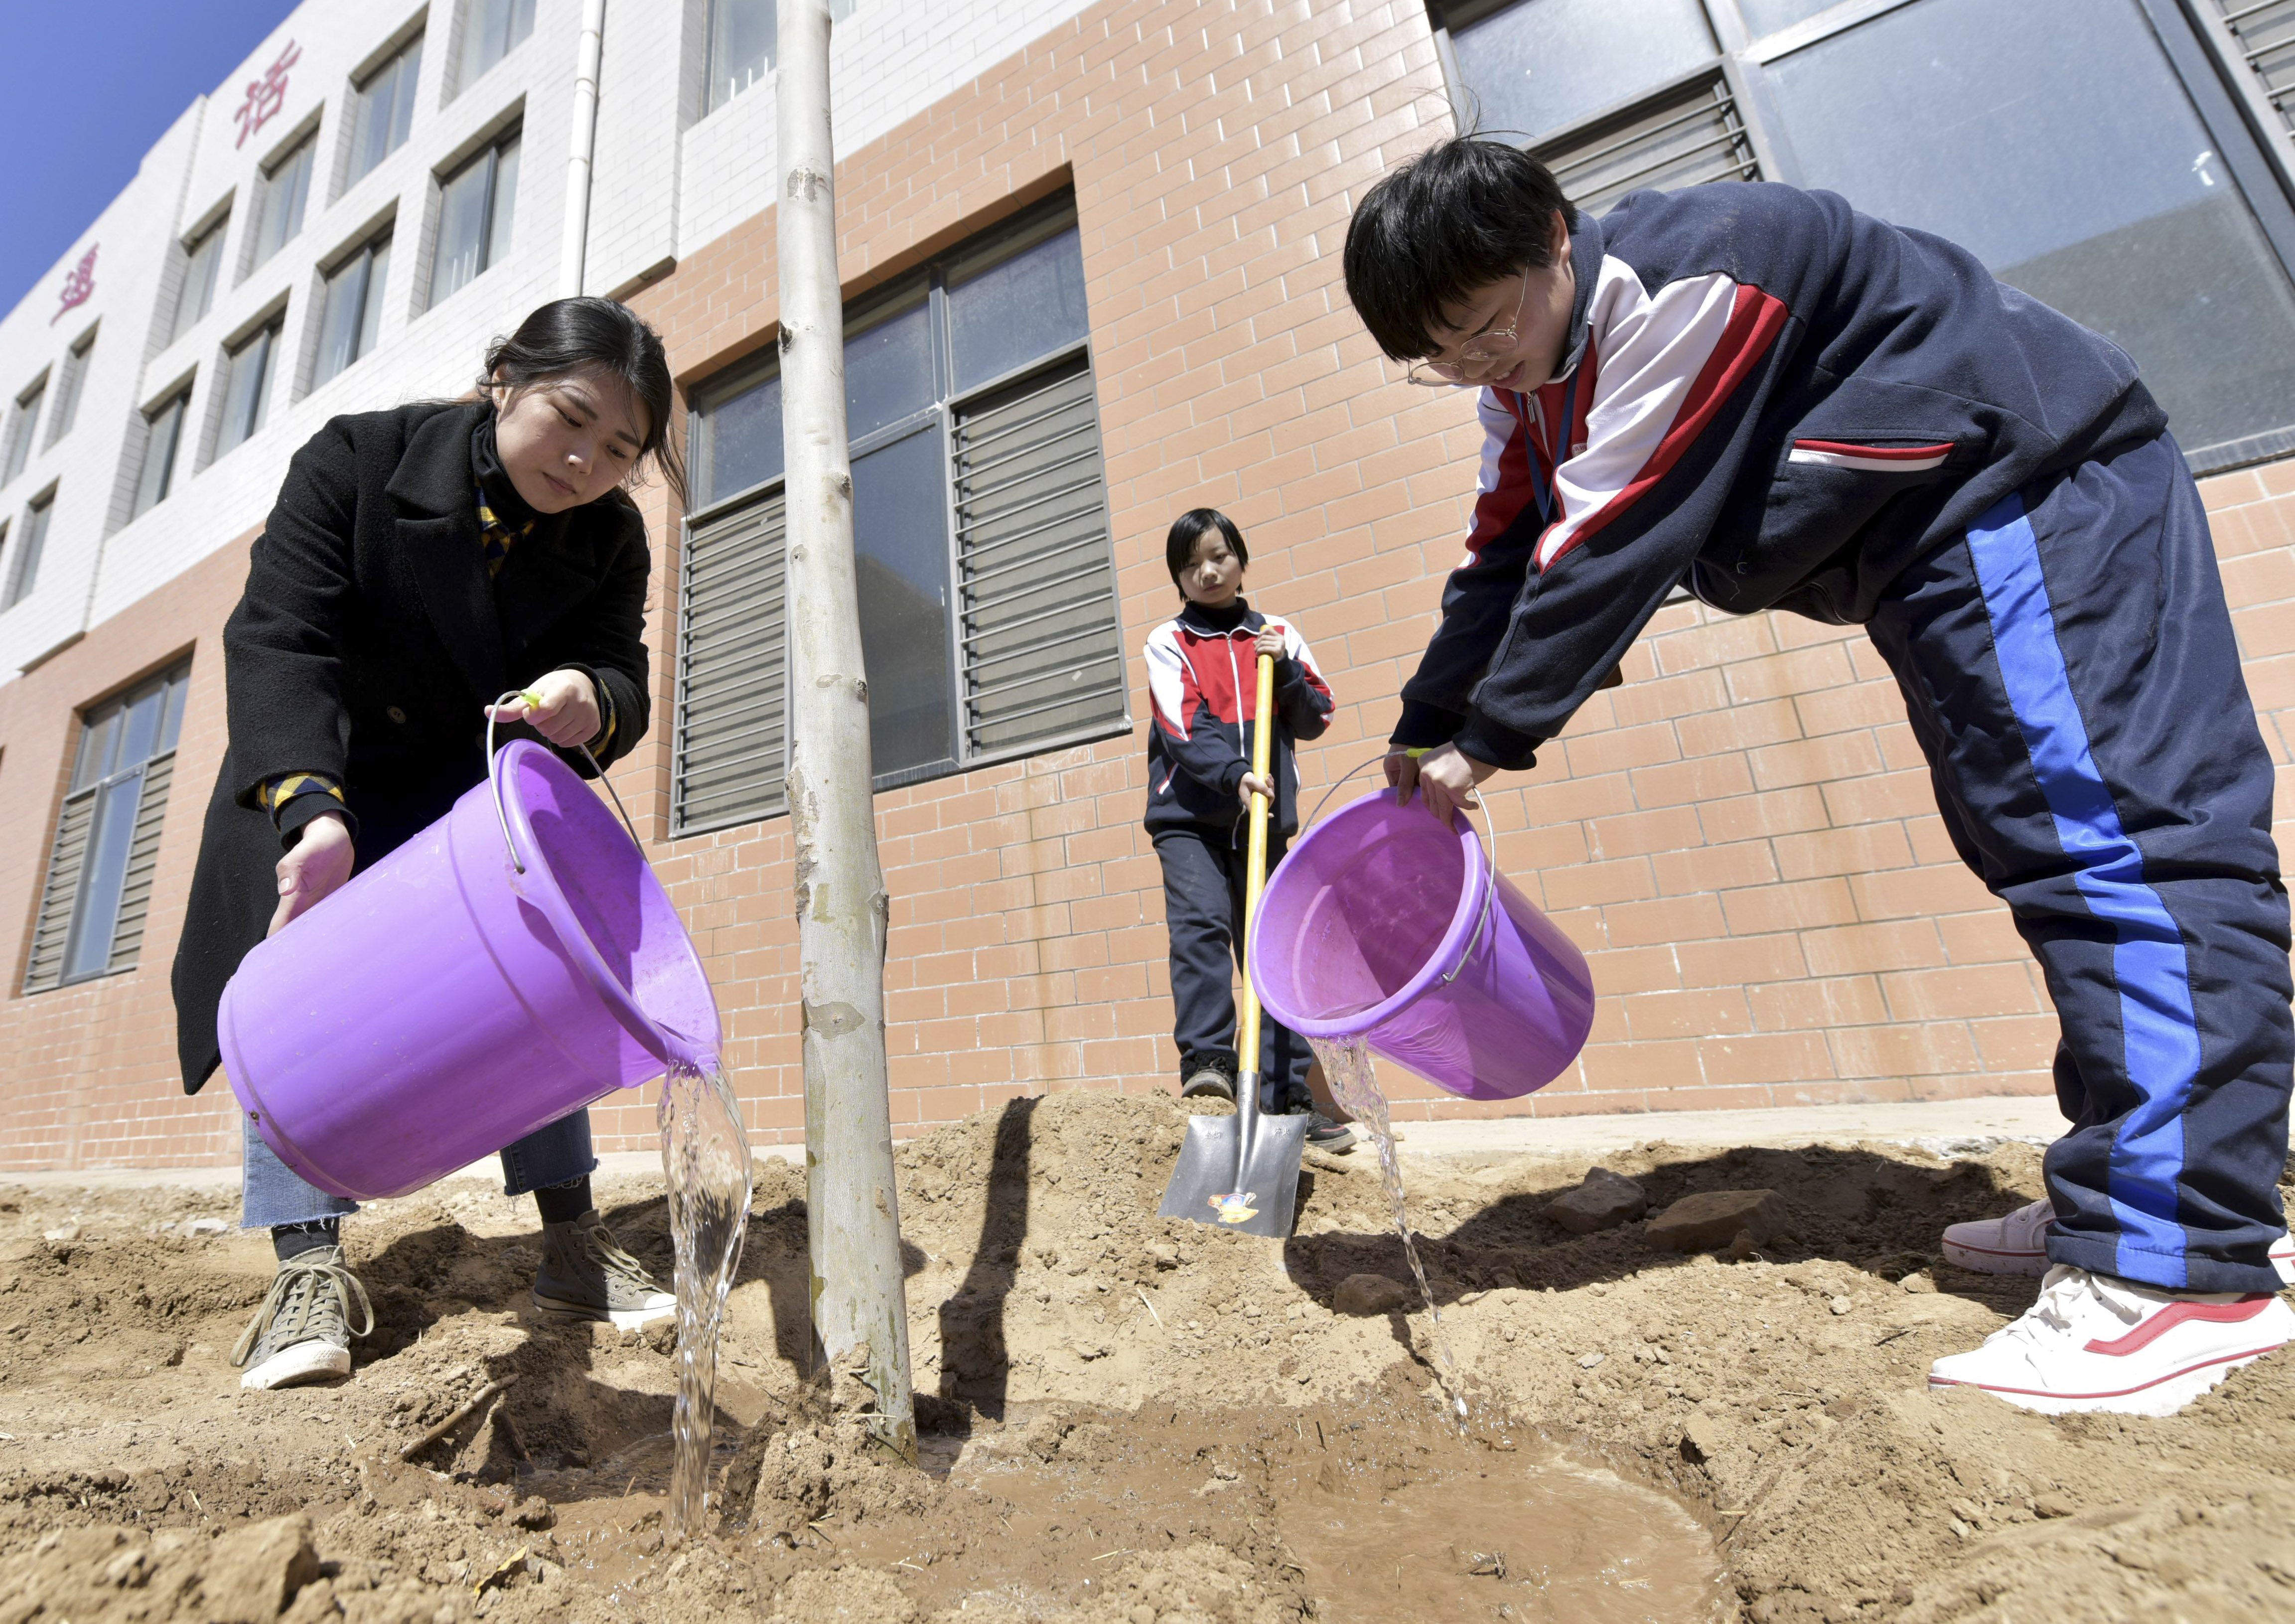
(1759, 393)
(1203, 682)
(419, 563)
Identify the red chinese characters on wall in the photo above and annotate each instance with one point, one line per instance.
(80, 284)
(267, 94)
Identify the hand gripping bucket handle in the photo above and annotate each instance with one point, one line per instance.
(1482, 838)
(665, 1043)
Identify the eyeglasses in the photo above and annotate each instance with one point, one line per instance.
(1475, 355)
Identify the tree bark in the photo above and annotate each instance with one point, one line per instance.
(860, 1301)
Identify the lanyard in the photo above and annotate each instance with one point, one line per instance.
(1541, 483)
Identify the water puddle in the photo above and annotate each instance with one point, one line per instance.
(1347, 1069)
(705, 1159)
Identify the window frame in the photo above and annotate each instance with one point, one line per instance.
(24, 414)
(394, 66)
(370, 310)
(488, 153)
(177, 401)
(173, 683)
(2201, 52)
(71, 378)
(23, 562)
(300, 153)
(270, 331)
(466, 72)
(212, 239)
(993, 246)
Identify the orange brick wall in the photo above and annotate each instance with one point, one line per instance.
(1741, 837)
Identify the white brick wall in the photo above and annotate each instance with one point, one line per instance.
(665, 181)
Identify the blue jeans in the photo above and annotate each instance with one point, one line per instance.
(272, 1193)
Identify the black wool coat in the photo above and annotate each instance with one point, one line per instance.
(366, 646)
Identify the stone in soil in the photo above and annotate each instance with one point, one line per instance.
(1713, 1219)
(1603, 1201)
(1368, 1293)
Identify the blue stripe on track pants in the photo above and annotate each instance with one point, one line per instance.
(2069, 670)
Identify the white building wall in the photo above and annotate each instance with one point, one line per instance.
(666, 180)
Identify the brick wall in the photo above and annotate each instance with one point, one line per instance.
(1741, 837)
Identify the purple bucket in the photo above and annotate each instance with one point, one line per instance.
(445, 1003)
(1385, 925)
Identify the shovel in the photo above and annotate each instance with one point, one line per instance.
(1242, 1172)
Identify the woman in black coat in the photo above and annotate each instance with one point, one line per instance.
(419, 562)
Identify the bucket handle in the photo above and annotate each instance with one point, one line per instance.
(501, 814)
(1490, 865)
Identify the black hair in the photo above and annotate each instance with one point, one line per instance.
(1188, 528)
(1456, 217)
(602, 338)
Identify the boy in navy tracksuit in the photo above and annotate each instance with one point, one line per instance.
(1759, 393)
(1203, 680)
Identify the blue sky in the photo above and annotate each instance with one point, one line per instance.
(91, 84)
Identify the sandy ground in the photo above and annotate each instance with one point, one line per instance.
(1127, 1419)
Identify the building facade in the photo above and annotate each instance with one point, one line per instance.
(1089, 254)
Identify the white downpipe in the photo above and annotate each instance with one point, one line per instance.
(575, 248)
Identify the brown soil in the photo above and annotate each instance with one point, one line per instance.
(1128, 1420)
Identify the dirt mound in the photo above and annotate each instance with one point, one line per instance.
(1128, 1418)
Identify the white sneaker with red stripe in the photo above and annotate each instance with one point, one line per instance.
(2092, 1343)
(2018, 1244)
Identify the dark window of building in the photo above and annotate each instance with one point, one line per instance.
(107, 842)
(163, 437)
(286, 188)
(23, 424)
(68, 388)
(202, 262)
(24, 563)
(476, 206)
(2093, 153)
(491, 30)
(989, 620)
(353, 314)
(247, 372)
(386, 108)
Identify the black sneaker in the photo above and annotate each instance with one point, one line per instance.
(1323, 1134)
(1207, 1081)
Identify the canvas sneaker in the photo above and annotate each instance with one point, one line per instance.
(2018, 1244)
(301, 1332)
(586, 1275)
(2092, 1343)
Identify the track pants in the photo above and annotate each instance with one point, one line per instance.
(2069, 670)
(1203, 911)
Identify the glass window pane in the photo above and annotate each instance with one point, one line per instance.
(166, 427)
(244, 391)
(1540, 64)
(409, 74)
(179, 688)
(741, 41)
(24, 568)
(342, 319)
(484, 38)
(1009, 315)
(378, 280)
(1768, 16)
(900, 541)
(888, 371)
(461, 227)
(284, 191)
(741, 440)
(504, 204)
(102, 875)
(385, 110)
(139, 736)
(25, 424)
(2056, 144)
(206, 258)
(68, 393)
(94, 741)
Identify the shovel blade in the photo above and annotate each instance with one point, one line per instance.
(1204, 1188)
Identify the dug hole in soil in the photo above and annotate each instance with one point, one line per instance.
(1126, 1419)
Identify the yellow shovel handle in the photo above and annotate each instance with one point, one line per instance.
(1255, 872)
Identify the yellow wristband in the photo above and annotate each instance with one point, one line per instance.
(1415, 751)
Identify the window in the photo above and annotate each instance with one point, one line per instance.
(286, 187)
(743, 36)
(386, 108)
(107, 844)
(163, 434)
(475, 207)
(491, 30)
(23, 423)
(988, 619)
(247, 386)
(203, 259)
(2093, 153)
(24, 568)
(68, 387)
(354, 309)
